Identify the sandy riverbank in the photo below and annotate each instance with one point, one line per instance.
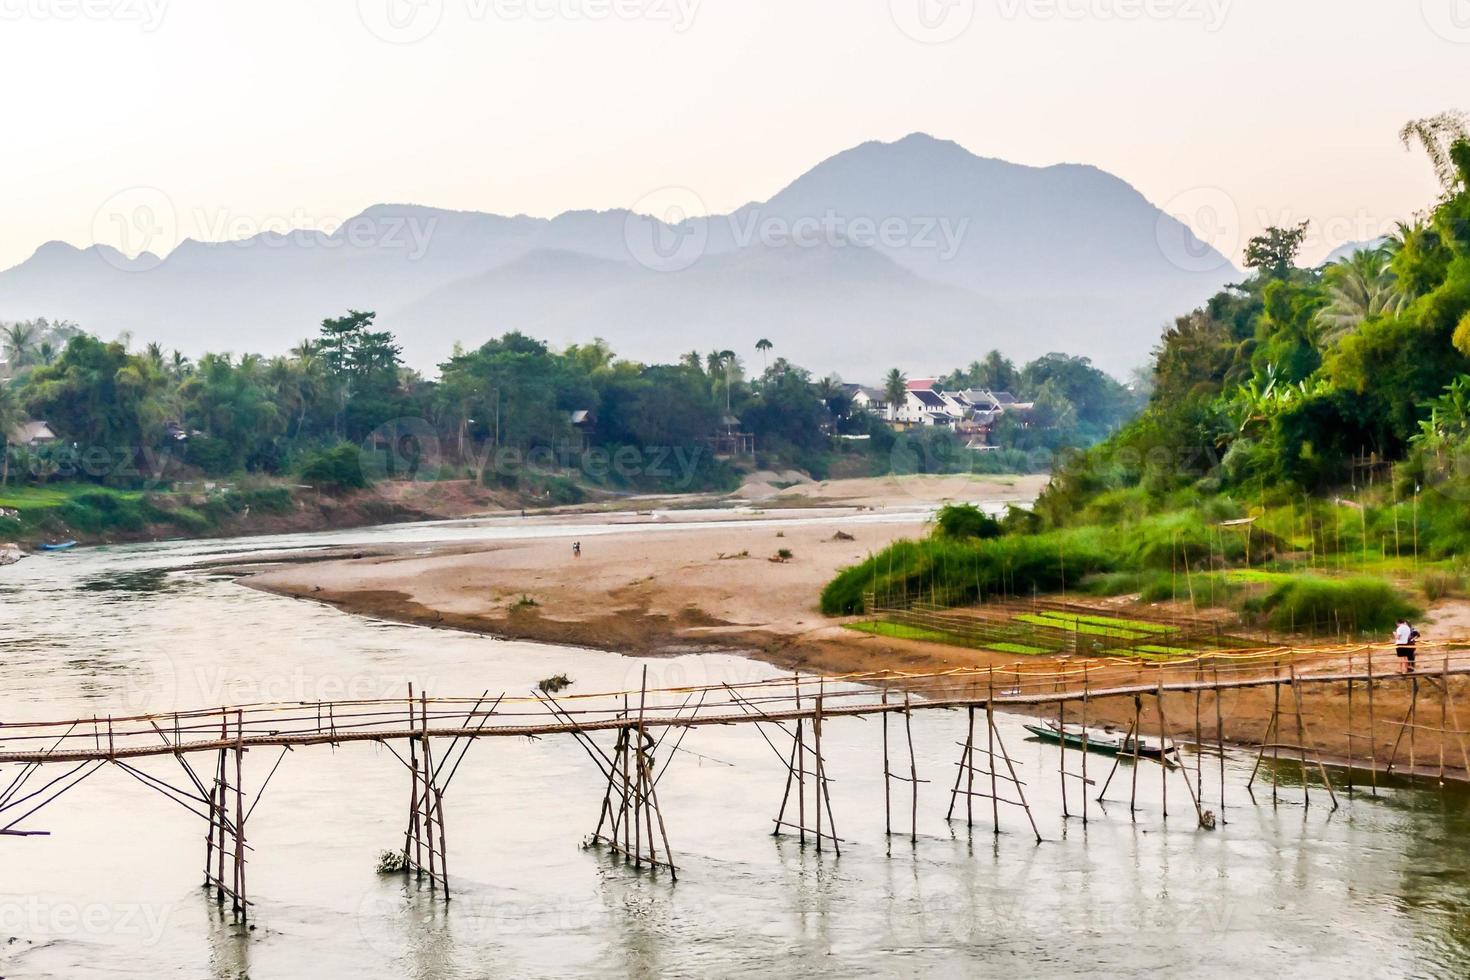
(653, 587)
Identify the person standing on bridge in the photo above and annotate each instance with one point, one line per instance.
(1406, 639)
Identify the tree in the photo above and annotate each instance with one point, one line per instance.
(11, 417)
(1419, 257)
(764, 346)
(1274, 253)
(1438, 135)
(19, 340)
(100, 396)
(895, 389)
(1358, 287)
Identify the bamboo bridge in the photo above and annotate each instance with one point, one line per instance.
(623, 735)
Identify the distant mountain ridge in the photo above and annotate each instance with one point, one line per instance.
(915, 253)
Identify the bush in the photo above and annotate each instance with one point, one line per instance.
(959, 522)
(335, 470)
(1439, 584)
(96, 511)
(1310, 602)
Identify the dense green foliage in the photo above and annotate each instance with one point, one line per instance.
(1305, 427)
(1281, 384)
(512, 413)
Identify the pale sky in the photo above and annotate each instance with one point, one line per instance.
(269, 113)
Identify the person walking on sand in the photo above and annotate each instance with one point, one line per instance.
(1406, 640)
(576, 549)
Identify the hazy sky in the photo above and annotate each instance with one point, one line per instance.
(244, 115)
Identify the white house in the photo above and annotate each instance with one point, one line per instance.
(928, 407)
(869, 400)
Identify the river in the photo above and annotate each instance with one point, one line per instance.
(1381, 887)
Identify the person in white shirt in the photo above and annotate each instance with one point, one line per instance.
(1405, 638)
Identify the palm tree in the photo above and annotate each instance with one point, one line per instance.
(895, 388)
(1359, 287)
(45, 352)
(764, 346)
(727, 359)
(11, 417)
(19, 340)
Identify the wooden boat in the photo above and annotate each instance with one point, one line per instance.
(59, 546)
(1104, 743)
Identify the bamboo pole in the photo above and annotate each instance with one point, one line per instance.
(1220, 740)
(913, 772)
(887, 806)
(1372, 731)
(1137, 738)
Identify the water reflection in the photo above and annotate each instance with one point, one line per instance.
(1286, 888)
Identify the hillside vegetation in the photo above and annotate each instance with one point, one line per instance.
(1302, 457)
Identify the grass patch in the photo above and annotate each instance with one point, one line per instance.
(903, 631)
(1086, 629)
(1167, 651)
(1135, 625)
(1018, 648)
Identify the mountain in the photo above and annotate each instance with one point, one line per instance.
(1346, 251)
(915, 253)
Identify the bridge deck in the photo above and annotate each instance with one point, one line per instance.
(789, 698)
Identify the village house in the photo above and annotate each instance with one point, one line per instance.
(871, 400)
(971, 413)
(31, 434)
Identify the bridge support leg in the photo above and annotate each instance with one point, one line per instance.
(224, 855)
(796, 775)
(912, 778)
(425, 855)
(630, 807)
(969, 769)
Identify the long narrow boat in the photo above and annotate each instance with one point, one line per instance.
(1103, 743)
(59, 546)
